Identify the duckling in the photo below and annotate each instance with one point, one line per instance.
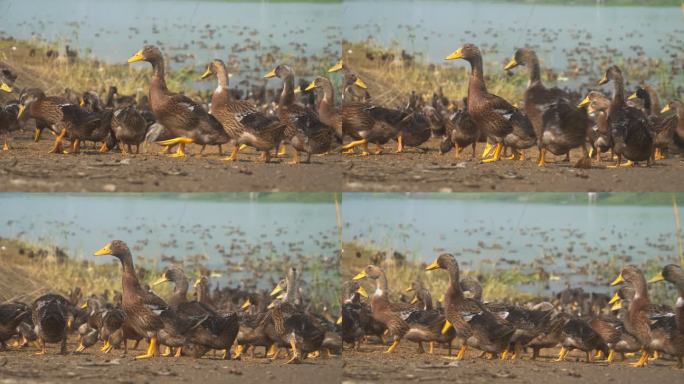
(475, 325)
(243, 122)
(502, 123)
(630, 129)
(129, 128)
(179, 114)
(304, 130)
(50, 316)
(460, 132)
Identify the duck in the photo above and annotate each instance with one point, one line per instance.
(45, 110)
(636, 321)
(475, 325)
(502, 123)
(242, 120)
(460, 132)
(351, 328)
(674, 343)
(180, 115)
(678, 107)
(558, 125)
(9, 122)
(115, 101)
(354, 88)
(129, 128)
(597, 105)
(576, 333)
(416, 128)
(304, 131)
(252, 332)
(422, 298)
(630, 129)
(91, 102)
(662, 124)
(612, 330)
(142, 308)
(50, 315)
(392, 314)
(11, 316)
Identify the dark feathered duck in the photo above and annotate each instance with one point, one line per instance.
(460, 131)
(180, 115)
(50, 315)
(502, 123)
(674, 343)
(11, 316)
(663, 124)
(129, 128)
(630, 129)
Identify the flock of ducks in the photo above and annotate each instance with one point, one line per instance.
(629, 324)
(230, 323)
(632, 128)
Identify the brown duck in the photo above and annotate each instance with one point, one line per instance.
(179, 114)
(636, 321)
(243, 122)
(502, 123)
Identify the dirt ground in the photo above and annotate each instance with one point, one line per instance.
(371, 365)
(28, 167)
(23, 366)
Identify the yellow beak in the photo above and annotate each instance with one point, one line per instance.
(633, 96)
(276, 290)
(362, 291)
(618, 280)
(446, 327)
(339, 320)
(457, 54)
(311, 86)
(359, 83)
(160, 280)
(603, 80)
(84, 305)
(270, 74)
(206, 73)
(359, 275)
(22, 108)
(665, 109)
(103, 251)
(657, 278)
(614, 299)
(409, 289)
(616, 306)
(415, 300)
(511, 64)
(584, 102)
(196, 283)
(137, 57)
(336, 67)
(82, 103)
(271, 306)
(432, 266)
(5, 88)
(246, 305)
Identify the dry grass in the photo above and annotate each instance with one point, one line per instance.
(501, 286)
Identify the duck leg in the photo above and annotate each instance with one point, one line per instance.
(282, 151)
(103, 148)
(37, 134)
(643, 359)
(562, 354)
(461, 353)
(496, 156)
(181, 141)
(611, 356)
(295, 355)
(233, 154)
(5, 147)
(168, 352)
(57, 148)
(355, 144)
(392, 347)
(400, 143)
(179, 352)
(474, 154)
(40, 344)
(152, 350)
(431, 347)
(379, 149)
(542, 158)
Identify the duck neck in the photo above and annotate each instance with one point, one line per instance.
(326, 107)
(653, 102)
(380, 287)
(158, 84)
(221, 95)
(533, 71)
(640, 293)
(618, 92)
(454, 291)
(476, 84)
(287, 96)
(109, 102)
(291, 295)
(180, 291)
(128, 276)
